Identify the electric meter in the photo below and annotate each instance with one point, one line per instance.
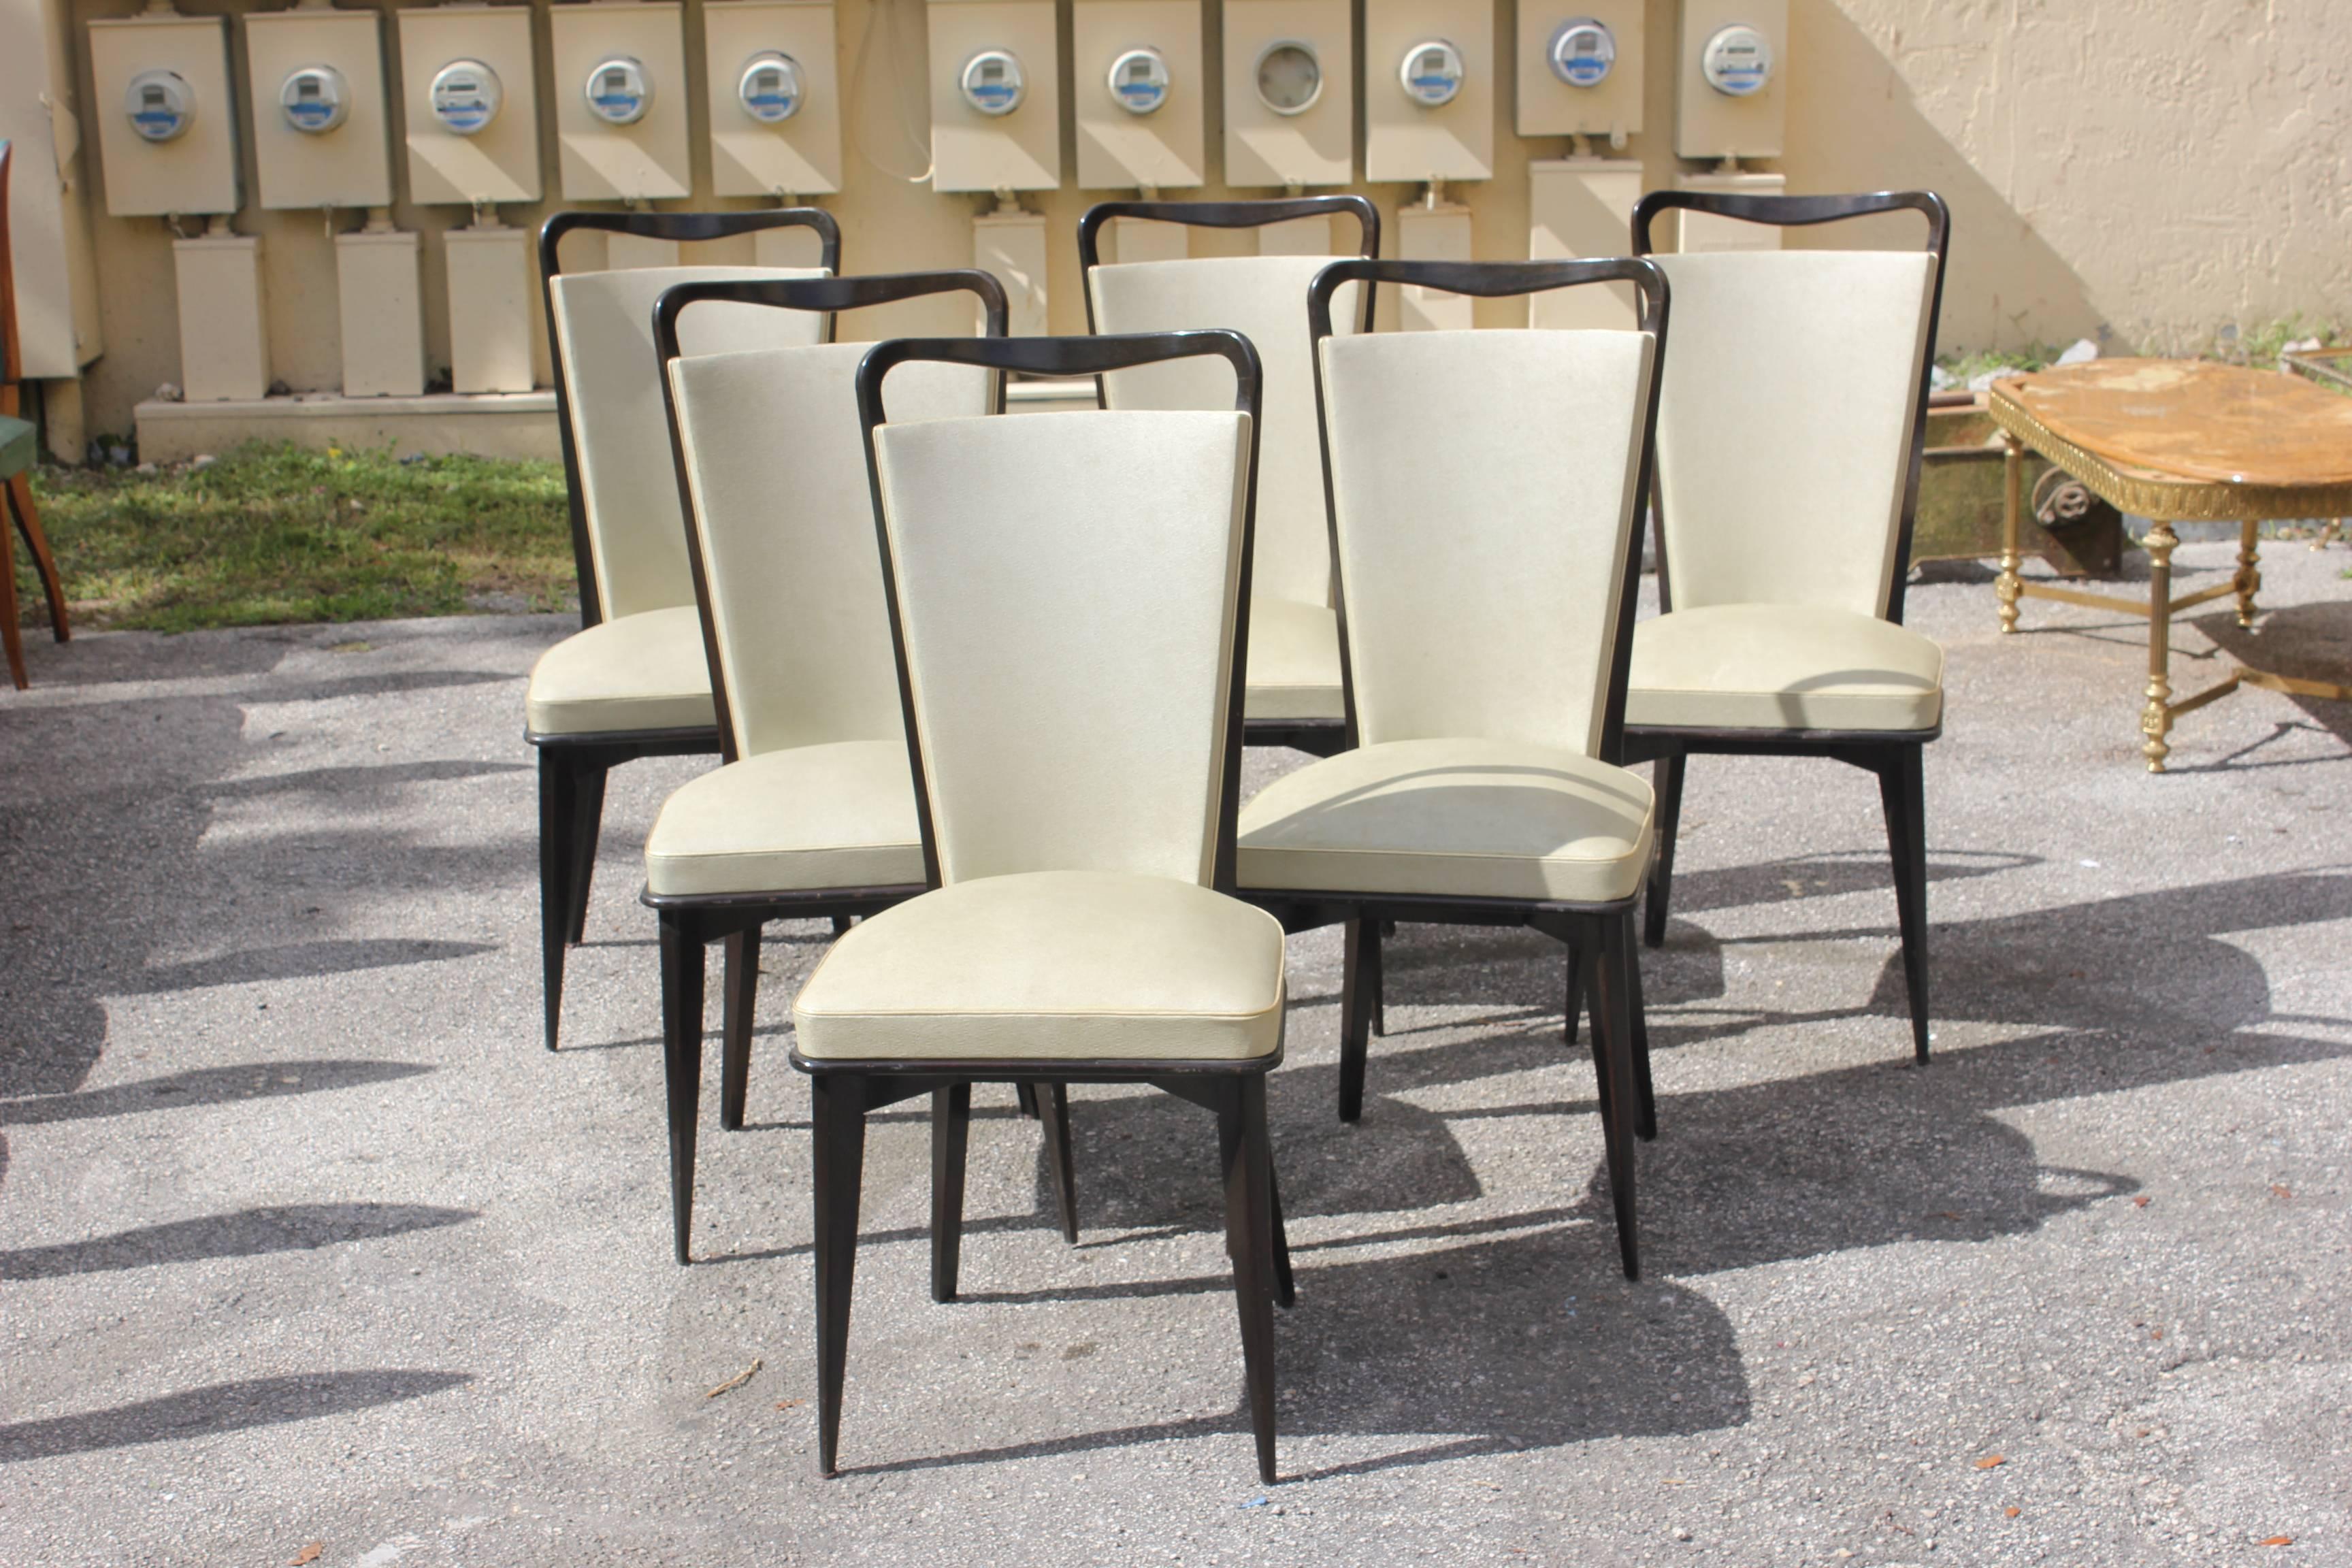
(466, 97)
(619, 91)
(771, 88)
(1289, 77)
(1737, 61)
(1431, 73)
(991, 82)
(315, 100)
(1139, 80)
(161, 104)
(1583, 51)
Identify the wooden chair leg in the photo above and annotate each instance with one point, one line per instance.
(588, 820)
(1024, 1095)
(841, 924)
(12, 635)
(1285, 1289)
(1355, 1016)
(558, 812)
(1645, 1098)
(950, 1138)
(1662, 870)
(1902, 791)
(1248, 1166)
(28, 522)
(738, 991)
(1575, 1008)
(1054, 1112)
(1613, 1031)
(682, 977)
(838, 1102)
(1376, 935)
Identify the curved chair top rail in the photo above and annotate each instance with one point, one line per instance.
(831, 295)
(1255, 213)
(1800, 211)
(1489, 280)
(689, 227)
(1073, 356)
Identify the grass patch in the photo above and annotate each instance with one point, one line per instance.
(270, 533)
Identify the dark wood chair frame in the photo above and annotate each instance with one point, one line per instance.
(1316, 737)
(1898, 761)
(1598, 936)
(18, 488)
(845, 1091)
(572, 767)
(689, 922)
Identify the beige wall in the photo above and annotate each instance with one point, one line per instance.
(2158, 183)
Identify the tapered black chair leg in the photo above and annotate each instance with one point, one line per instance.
(738, 991)
(558, 803)
(1025, 1096)
(838, 1102)
(951, 1137)
(1613, 1031)
(1249, 1233)
(1054, 1110)
(1645, 1098)
(1355, 1017)
(1902, 790)
(682, 977)
(1575, 1008)
(841, 924)
(1285, 1289)
(1669, 781)
(588, 822)
(1376, 988)
(1592, 949)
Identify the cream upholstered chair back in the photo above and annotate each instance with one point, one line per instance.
(1484, 488)
(620, 439)
(1066, 592)
(1788, 422)
(1263, 298)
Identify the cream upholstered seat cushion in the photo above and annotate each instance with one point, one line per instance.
(837, 816)
(1784, 666)
(1294, 661)
(645, 671)
(1065, 964)
(1452, 819)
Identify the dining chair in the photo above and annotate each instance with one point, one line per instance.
(19, 449)
(811, 814)
(633, 681)
(1293, 672)
(1079, 923)
(1484, 503)
(1790, 446)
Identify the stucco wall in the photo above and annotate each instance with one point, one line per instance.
(2151, 168)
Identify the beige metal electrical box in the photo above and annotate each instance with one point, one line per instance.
(166, 122)
(383, 309)
(1428, 89)
(621, 100)
(1578, 208)
(319, 110)
(469, 103)
(1290, 96)
(1441, 233)
(775, 98)
(996, 97)
(224, 330)
(1730, 69)
(492, 303)
(1580, 69)
(1012, 247)
(1141, 93)
(1704, 231)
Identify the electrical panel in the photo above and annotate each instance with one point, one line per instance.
(1579, 72)
(1428, 89)
(470, 103)
(319, 112)
(382, 303)
(1141, 93)
(1731, 96)
(166, 122)
(1581, 208)
(1706, 231)
(621, 100)
(775, 98)
(1290, 72)
(996, 100)
(224, 323)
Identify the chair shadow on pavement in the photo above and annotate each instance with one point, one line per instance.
(220, 1407)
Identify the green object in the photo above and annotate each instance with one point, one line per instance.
(17, 441)
(270, 534)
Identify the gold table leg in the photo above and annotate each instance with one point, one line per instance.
(2007, 588)
(2156, 718)
(2249, 580)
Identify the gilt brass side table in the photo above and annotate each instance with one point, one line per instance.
(2178, 441)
